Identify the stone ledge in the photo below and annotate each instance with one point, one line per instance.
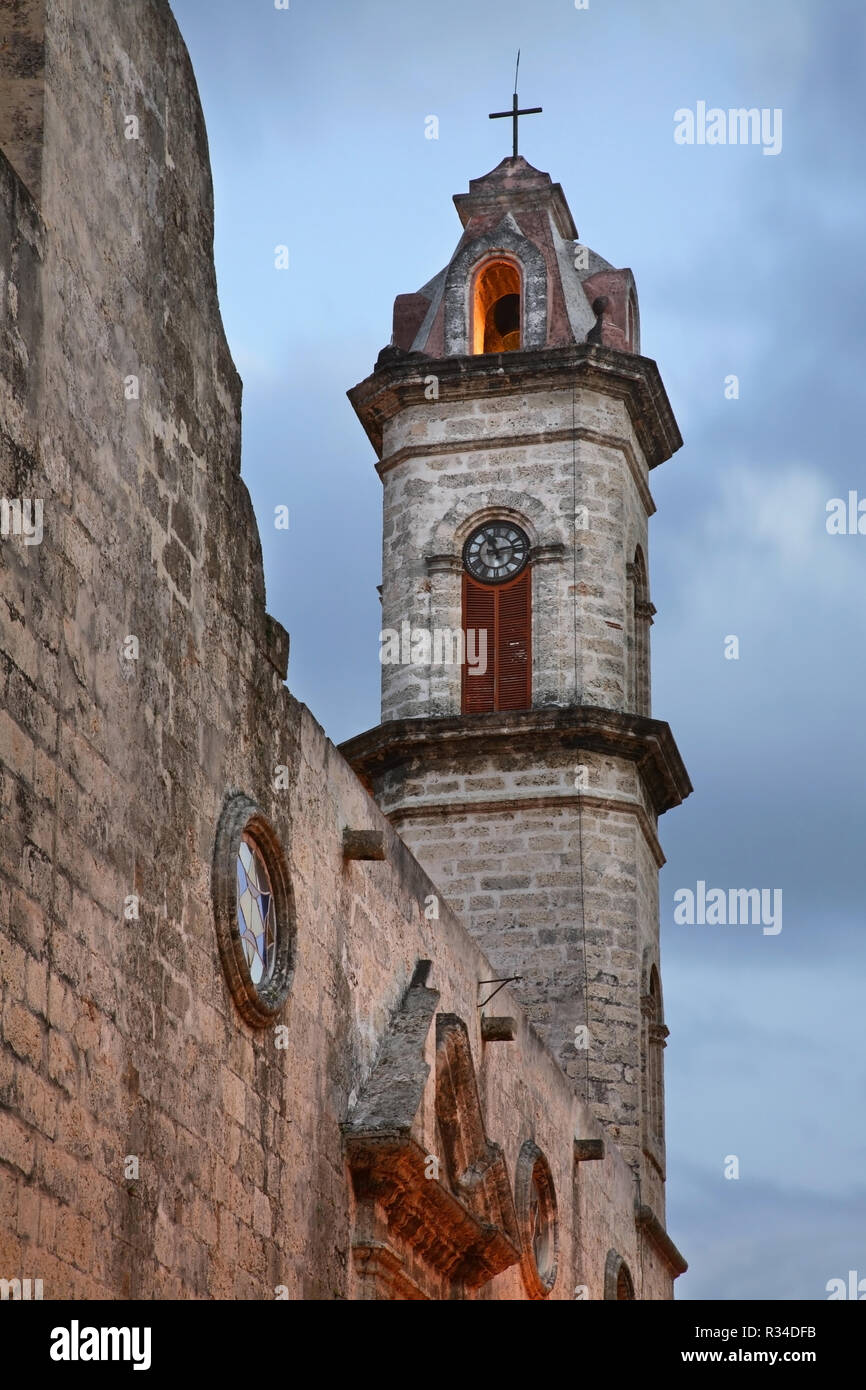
(399, 382)
(646, 1221)
(647, 742)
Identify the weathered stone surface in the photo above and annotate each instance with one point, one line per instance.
(154, 1143)
(588, 1150)
(22, 88)
(363, 844)
(540, 825)
(154, 1139)
(497, 1028)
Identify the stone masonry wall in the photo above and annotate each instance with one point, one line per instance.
(504, 837)
(451, 464)
(22, 87)
(119, 1037)
(446, 466)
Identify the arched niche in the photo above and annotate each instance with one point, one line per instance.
(506, 244)
(497, 307)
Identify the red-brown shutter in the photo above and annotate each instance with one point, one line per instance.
(479, 615)
(512, 645)
(503, 611)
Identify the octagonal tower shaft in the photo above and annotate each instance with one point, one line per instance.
(540, 822)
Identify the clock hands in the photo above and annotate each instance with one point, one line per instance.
(496, 553)
(506, 545)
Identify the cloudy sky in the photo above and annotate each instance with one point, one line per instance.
(746, 264)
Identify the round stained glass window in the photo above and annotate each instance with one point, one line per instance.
(254, 910)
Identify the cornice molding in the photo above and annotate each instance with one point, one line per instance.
(400, 381)
(647, 742)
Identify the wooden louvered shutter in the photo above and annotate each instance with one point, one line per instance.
(479, 615)
(513, 665)
(503, 611)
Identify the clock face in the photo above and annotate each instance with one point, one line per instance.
(496, 551)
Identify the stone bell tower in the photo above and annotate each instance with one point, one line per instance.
(516, 426)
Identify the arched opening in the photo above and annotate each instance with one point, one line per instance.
(655, 1045)
(497, 309)
(631, 324)
(497, 619)
(618, 1283)
(642, 616)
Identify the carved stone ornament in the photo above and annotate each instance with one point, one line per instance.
(426, 1224)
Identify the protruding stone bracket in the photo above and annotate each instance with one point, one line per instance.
(277, 646)
(364, 844)
(588, 1150)
(498, 1028)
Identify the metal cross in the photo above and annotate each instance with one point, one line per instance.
(515, 111)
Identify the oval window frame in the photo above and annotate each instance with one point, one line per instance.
(533, 1167)
(259, 1004)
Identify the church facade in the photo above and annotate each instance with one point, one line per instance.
(281, 1020)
